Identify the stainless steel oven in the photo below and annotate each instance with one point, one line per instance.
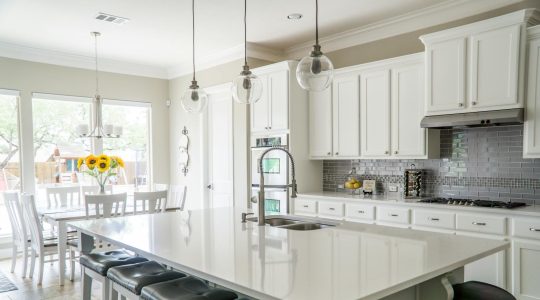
(275, 167)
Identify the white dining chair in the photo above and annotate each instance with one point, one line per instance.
(61, 195)
(151, 202)
(105, 206)
(40, 246)
(19, 232)
(177, 196)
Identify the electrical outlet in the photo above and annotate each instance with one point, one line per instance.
(392, 188)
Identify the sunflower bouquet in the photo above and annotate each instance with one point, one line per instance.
(101, 167)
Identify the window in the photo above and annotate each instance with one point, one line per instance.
(56, 143)
(134, 144)
(10, 172)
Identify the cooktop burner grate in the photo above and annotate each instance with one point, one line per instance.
(470, 202)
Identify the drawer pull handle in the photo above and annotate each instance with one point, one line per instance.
(394, 215)
(534, 229)
(434, 219)
(361, 211)
(331, 208)
(479, 223)
(306, 206)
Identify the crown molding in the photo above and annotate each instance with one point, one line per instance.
(59, 58)
(444, 12)
(227, 55)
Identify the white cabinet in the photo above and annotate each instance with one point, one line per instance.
(476, 67)
(526, 264)
(531, 129)
(320, 123)
(271, 112)
(375, 113)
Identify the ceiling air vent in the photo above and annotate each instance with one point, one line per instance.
(111, 18)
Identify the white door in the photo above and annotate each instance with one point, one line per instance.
(260, 111)
(531, 130)
(494, 61)
(375, 111)
(346, 116)
(320, 124)
(445, 76)
(220, 149)
(278, 89)
(408, 139)
(526, 270)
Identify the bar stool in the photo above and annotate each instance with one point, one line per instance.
(185, 288)
(128, 281)
(95, 266)
(475, 290)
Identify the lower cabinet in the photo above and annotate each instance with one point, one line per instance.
(526, 269)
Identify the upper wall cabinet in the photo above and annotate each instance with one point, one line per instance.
(477, 67)
(531, 130)
(271, 112)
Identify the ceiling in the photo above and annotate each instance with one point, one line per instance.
(159, 32)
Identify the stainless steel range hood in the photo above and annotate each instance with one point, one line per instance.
(475, 119)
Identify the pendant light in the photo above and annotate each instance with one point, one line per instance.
(315, 72)
(194, 99)
(99, 131)
(246, 88)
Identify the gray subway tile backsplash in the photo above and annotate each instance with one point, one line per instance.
(483, 163)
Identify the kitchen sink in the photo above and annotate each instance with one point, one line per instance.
(280, 221)
(306, 226)
(293, 224)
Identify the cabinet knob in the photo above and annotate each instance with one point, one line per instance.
(395, 152)
(474, 103)
(269, 127)
(329, 153)
(386, 152)
(461, 105)
(265, 127)
(337, 153)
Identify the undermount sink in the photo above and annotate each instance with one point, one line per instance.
(306, 226)
(280, 221)
(292, 224)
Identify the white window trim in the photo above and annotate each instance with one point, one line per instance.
(54, 97)
(7, 92)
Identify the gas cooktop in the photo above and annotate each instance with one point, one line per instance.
(469, 202)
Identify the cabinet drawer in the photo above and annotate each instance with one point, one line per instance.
(330, 209)
(424, 217)
(483, 224)
(305, 206)
(393, 215)
(360, 211)
(526, 228)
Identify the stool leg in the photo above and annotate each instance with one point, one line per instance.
(105, 289)
(86, 285)
(113, 294)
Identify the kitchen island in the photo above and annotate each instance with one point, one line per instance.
(347, 261)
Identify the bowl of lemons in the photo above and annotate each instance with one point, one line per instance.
(353, 185)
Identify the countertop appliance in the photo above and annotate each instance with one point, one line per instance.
(276, 172)
(470, 202)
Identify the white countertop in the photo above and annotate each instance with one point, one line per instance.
(395, 199)
(350, 261)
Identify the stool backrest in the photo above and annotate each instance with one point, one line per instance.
(36, 232)
(60, 195)
(16, 218)
(151, 202)
(108, 205)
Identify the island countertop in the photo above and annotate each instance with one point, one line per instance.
(349, 261)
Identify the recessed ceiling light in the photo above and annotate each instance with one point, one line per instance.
(295, 16)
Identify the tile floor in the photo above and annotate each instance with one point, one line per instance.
(50, 289)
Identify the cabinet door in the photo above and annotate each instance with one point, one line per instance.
(346, 116)
(278, 93)
(526, 270)
(494, 62)
(375, 110)
(320, 124)
(408, 139)
(531, 130)
(445, 76)
(260, 110)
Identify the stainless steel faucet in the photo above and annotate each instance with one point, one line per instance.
(261, 183)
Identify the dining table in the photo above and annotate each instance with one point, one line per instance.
(59, 216)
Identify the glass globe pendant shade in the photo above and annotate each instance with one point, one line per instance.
(315, 72)
(194, 99)
(247, 87)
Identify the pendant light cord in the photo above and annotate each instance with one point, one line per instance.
(317, 22)
(245, 32)
(193, 35)
(96, 61)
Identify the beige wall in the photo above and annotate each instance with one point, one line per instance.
(193, 122)
(409, 43)
(29, 77)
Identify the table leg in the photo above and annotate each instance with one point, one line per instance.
(62, 246)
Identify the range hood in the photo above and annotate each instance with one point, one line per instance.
(475, 119)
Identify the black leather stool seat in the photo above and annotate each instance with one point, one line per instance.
(188, 288)
(474, 290)
(101, 262)
(135, 277)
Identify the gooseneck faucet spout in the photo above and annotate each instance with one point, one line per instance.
(261, 185)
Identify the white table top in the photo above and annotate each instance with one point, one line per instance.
(350, 261)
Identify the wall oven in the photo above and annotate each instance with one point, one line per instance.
(275, 167)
